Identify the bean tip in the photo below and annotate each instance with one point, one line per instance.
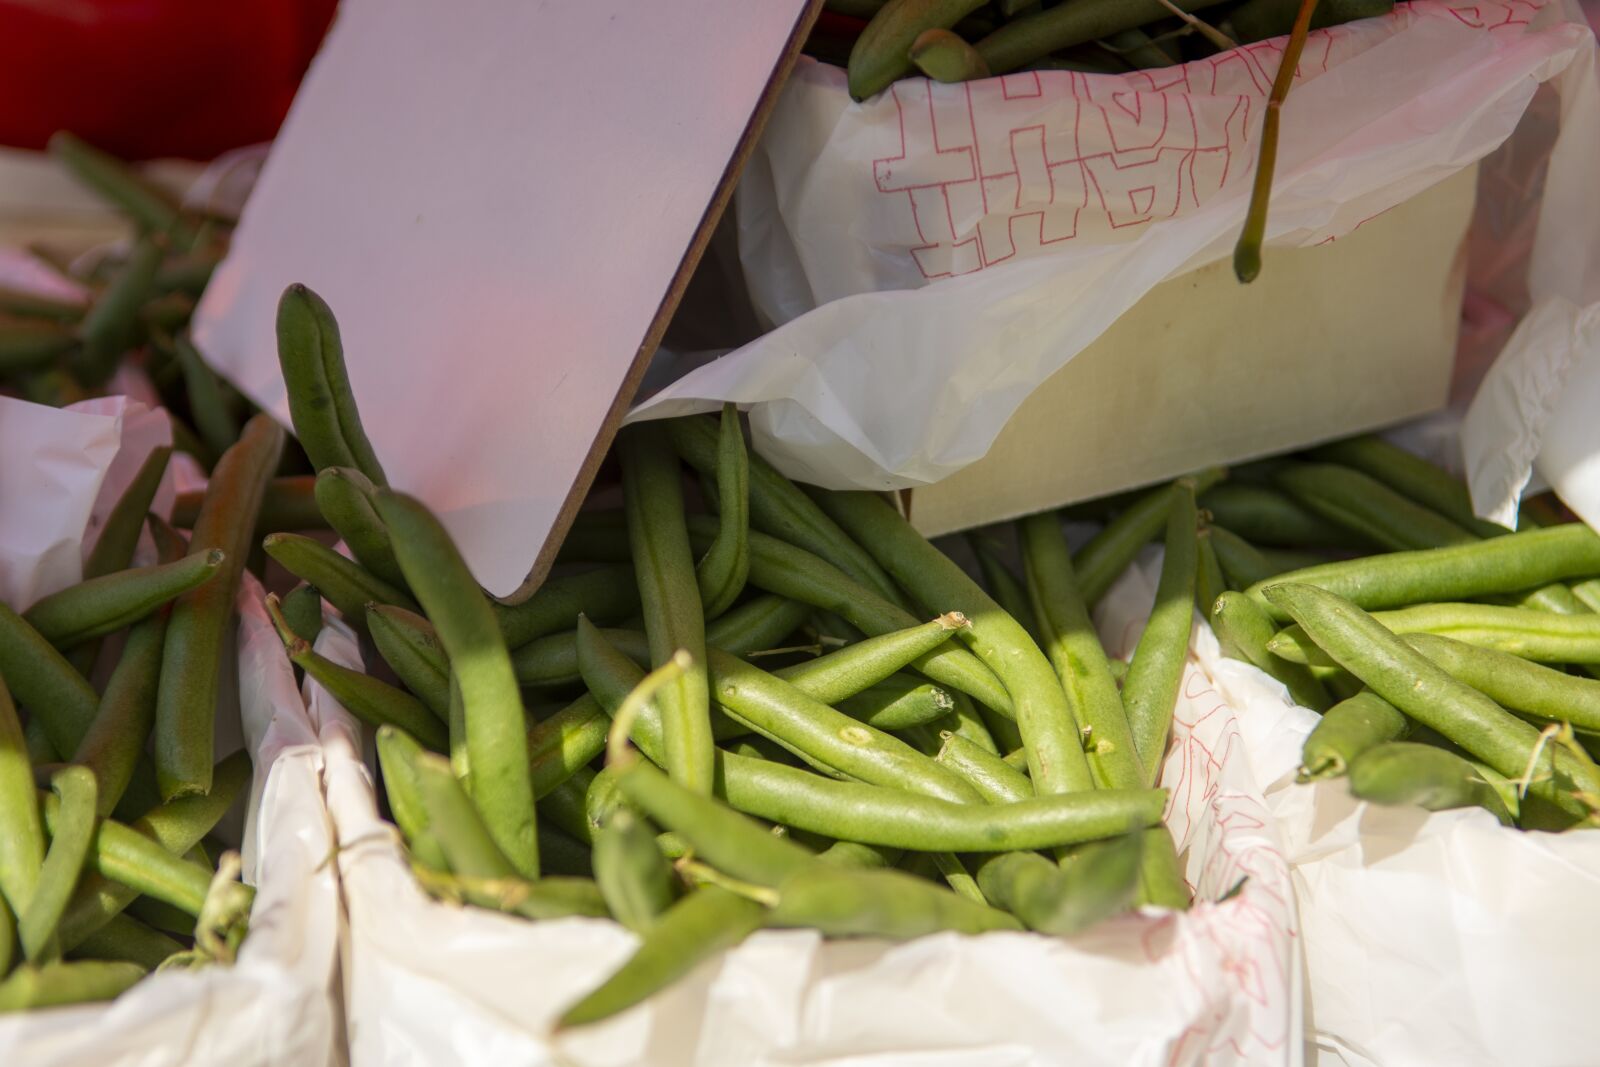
(215, 557)
(953, 620)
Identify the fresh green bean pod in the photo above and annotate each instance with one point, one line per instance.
(1074, 649)
(119, 534)
(1400, 772)
(898, 702)
(71, 834)
(669, 597)
(58, 983)
(411, 648)
(22, 848)
(198, 630)
(537, 899)
(1515, 683)
(1533, 635)
(344, 497)
(114, 742)
(722, 571)
(1264, 515)
(96, 607)
(1242, 563)
(342, 582)
(123, 855)
(290, 503)
(1156, 671)
(60, 700)
(1368, 507)
(1458, 572)
(397, 756)
(1055, 756)
(780, 509)
(633, 876)
(1407, 473)
(1100, 562)
(841, 902)
(1425, 692)
(1210, 581)
(1346, 730)
(321, 402)
(368, 699)
(996, 780)
(1100, 882)
(501, 782)
(851, 670)
(607, 595)
(1245, 632)
(112, 325)
(110, 178)
(208, 403)
(1003, 585)
(125, 939)
(882, 54)
(945, 57)
(703, 923)
(1161, 881)
(469, 847)
(302, 610)
(566, 805)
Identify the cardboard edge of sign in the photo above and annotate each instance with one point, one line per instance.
(629, 385)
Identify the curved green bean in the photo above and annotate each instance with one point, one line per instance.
(60, 700)
(321, 402)
(1345, 731)
(722, 571)
(342, 582)
(633, 876)
(96, 607)
(1245, 633)
(411, 648)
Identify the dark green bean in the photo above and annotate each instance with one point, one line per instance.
(119, 535)
(290, 503)
(115, 740)
(126, 939)
(1156, 671)
(59, 699)
(1210, 580)
(99, 606)
(302, 610)
(882, 53)
(208, 404)
(409, 645)
(1102, 561)
(27, 346)
(1262, 515)
(1243, 564)
(1257, 20)
(344, 496)
(1345, 731)
(1367, 507)
(1244, 631)
(1400, 772)
(27, 304)
(148, 206)
(187, 699)
(1023, 40)
(342, 582)
(1405, 472)
(1004, 586)
(112, 325)
(71, 834)
(321, 402)
(722, 571)
(607, 595)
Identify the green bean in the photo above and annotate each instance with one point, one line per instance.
(492, 707)
(1245, 632)
(881, 54)
(1100, 562)
(562, 855)
(780, 509)
(468, 846)
(1156, 671)
(1056, 759)
(128, 940)
(26, 304)
(26, 346)
(344, 496)
(1100, 882)
(59, 699)
(187, 699)
(1030, 37)
(208, 404)
(566, 805)
(991, 776)
(669, 596)
(1516, 683)
(368, 699)
(945, 57)
(1368, 507)
(606, 595)
(290, 503)
(1424, 692)
(1138, 49)
(1345, 731)
(409, 645)
(111, 326)
(119, 535)
(784, 713)
(1003, 585)
(538, 899)
(1079, 661)
(71, 833)
(342, 582)
(1263, 515)
(302, 610)
(634, 878)
(321, 402)
(1161, 882)
(1587, 593)
(132, 860)
(1534, 635)
(1458, 572)
(397, 756)
(856, 667)
(1243, 564)
(700, 925)
(841, 902)
(170, 544)
(722, 571)
(22, 848)
(897, 702)
(968, 722)
(114, 742)
(99, 606)
(56, 984)
(1407, 473)
(1210, 581)
(1400, 772)
(149, 207)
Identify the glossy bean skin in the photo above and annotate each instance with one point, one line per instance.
(1346, 730)
(495, 733)
(1108, 553)
(1368, 508)
(1400, 772)
(96, 607)
(1155, 673)
(1533, 635)
(897, 702)
(1426, 693)
(321, 402)
(669, 596)
(841, 902)
(1516, 683)
(1245, 632)
(1056, 759)
(1080, 664)
(1506, 564)
(198, 628)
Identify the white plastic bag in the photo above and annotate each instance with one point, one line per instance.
(427, 983)
(274, 1007)
(930, 256)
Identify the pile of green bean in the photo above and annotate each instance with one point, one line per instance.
(817, 718)
(1453, 668)
(880, 41)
